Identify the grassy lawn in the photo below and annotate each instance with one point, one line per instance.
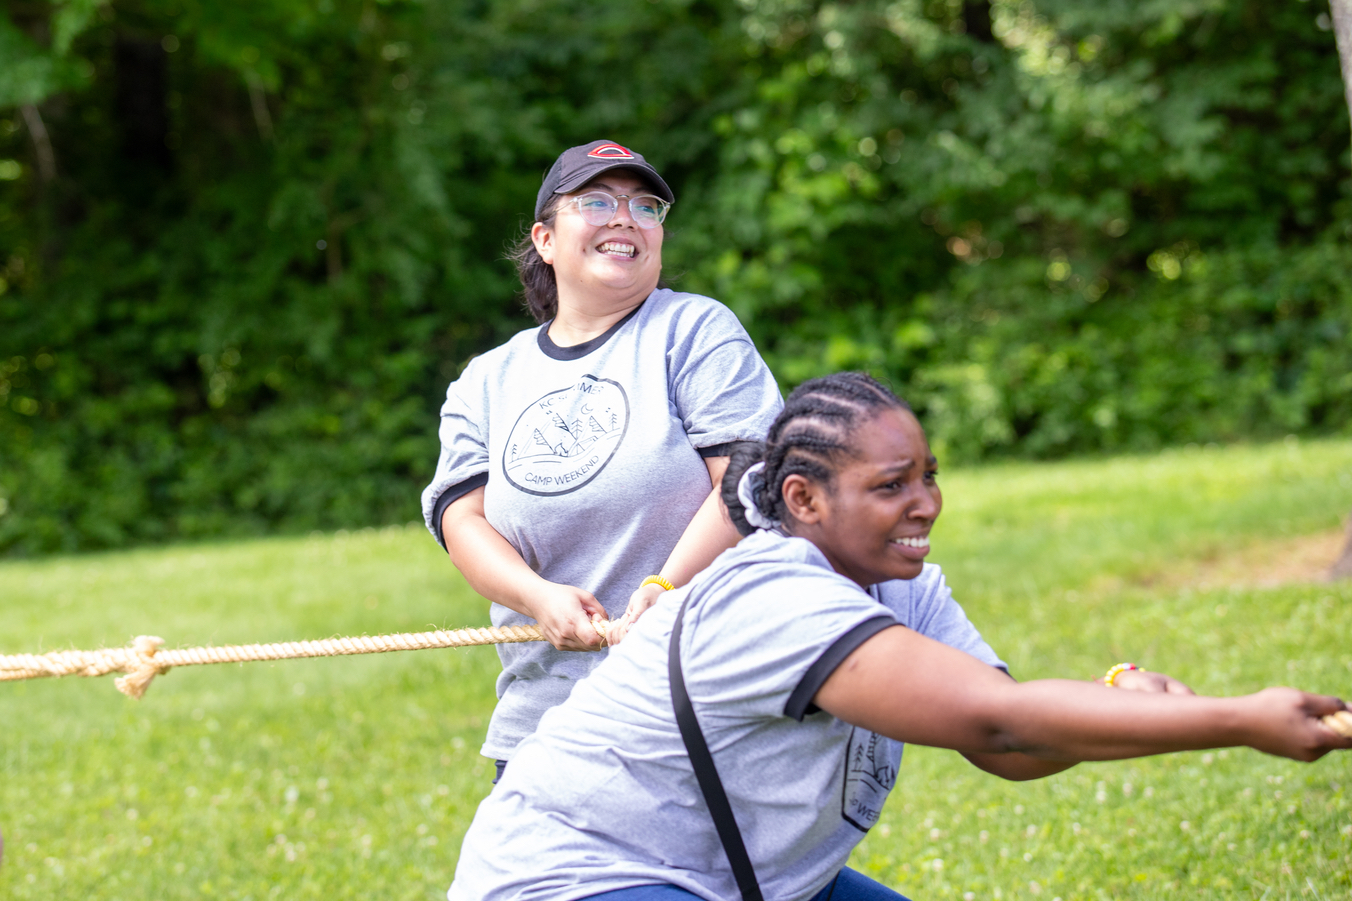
(356, 777)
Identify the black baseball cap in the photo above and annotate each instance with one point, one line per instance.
(578, 165)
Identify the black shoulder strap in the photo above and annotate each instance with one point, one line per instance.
(705, 771)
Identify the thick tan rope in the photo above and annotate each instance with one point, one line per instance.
(144, 660)
(1340, 722)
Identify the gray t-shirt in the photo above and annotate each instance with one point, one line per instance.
(591, 458)
(603, 796)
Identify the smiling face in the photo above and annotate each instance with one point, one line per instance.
(873, 521)
(598, 267)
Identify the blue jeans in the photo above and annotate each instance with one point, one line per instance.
(847, 886)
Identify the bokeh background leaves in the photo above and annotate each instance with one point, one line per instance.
(270, 233)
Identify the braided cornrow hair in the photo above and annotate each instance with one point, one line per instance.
(810, 437)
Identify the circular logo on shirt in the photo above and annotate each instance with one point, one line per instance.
(561, 441)
(869, 776)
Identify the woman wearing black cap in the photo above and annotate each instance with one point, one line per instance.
(578, 459)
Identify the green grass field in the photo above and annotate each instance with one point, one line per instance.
(356, 777)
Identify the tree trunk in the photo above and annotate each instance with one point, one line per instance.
(1342, 569)
(1342, 33)
(259, 102)
(42, 142)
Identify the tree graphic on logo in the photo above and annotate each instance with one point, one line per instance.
(562, 440)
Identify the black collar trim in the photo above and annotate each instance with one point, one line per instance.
(578, 351)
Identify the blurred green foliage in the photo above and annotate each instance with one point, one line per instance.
(245, 246)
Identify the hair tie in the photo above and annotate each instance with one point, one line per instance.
(749, 489)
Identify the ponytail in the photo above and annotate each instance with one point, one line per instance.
(745, 454)
(538, 285)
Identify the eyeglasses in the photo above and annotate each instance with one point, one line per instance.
(598, 208)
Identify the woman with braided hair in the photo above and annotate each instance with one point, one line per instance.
(743, 738)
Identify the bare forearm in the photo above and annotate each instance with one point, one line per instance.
(914, 689)
(1071, 721)
(1020, 767)
(709, 534)
(1059, 720)
(495, 569)
(490, 564)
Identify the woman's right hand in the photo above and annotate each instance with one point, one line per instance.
(565, 615)
(496, 570)
(1286, 722)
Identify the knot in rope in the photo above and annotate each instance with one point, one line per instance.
(145, 660)
(142, 668)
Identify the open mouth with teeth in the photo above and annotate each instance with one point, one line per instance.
(920, 542)
(619, 249)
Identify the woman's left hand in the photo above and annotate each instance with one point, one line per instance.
(639, 601)
(1144, 680)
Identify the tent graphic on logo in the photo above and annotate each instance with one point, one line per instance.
(564, 439)
(611, 152)
(574, 439)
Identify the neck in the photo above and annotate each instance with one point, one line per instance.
(577, 323)
(814, 535)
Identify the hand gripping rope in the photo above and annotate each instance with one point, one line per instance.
(144, 660)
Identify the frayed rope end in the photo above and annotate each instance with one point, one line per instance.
(138, 679)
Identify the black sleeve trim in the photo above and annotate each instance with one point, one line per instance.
(716, 450)
(450, 496)
(800, 703)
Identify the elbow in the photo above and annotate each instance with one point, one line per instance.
(996, 729)
(455, 550)
(1012, 740)
(1002, 740)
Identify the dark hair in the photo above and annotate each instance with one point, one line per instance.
(537, 277)
(809, 438)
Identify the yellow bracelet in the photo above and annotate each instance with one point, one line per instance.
(1117, 671)
(657, 580)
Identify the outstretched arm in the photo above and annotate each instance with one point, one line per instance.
(1022, 767)
(709, 534)
(914, 689)
(495, 570)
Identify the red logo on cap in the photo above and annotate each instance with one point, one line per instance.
(611, 152)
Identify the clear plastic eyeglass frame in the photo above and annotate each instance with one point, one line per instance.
(598, 208)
